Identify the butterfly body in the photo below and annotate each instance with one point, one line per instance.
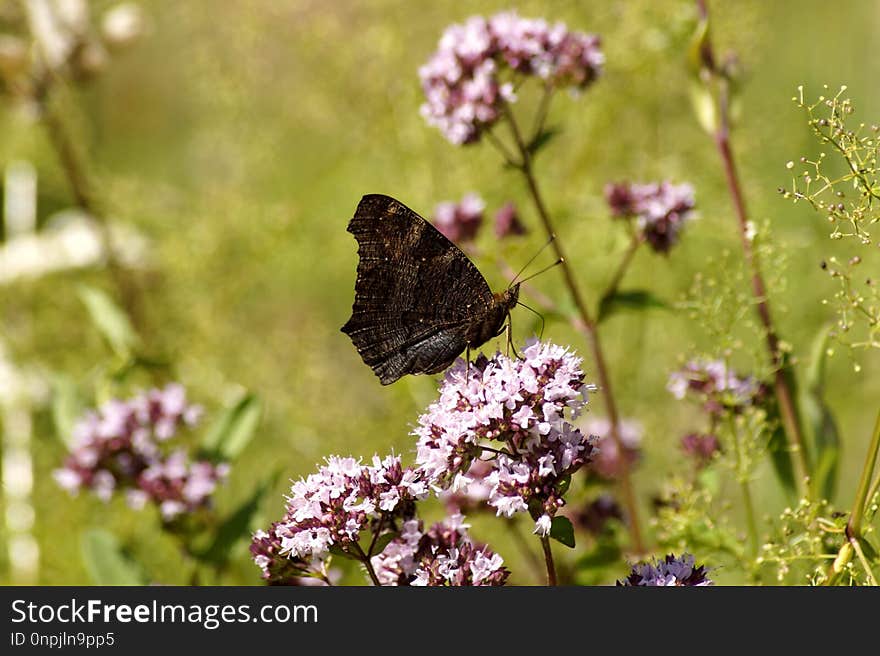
(419, 301)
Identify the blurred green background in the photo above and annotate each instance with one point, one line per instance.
(239, 137)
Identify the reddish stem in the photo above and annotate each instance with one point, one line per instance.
(781, 385)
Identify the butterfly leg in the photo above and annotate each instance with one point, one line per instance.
(510, 346)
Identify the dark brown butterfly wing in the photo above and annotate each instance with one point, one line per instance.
(416, 293)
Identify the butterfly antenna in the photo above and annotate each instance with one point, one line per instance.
(537, 314)
(546, 268)
(533, 258)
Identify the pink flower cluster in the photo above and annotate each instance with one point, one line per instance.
(475, 495)
(331, 507)
(442, 556)
(609, 462)
(661, 209)
(462, 80)
(717, 385)
(518, 412)
(118, 448)
(460, 222)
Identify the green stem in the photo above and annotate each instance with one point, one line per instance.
(854, 526)
(543, 109)
(75, 170)
(548, 559)
(361, 556)
(743, 480)
(524, 546)
(622, 268)
(864, 561)
(853, 531)
(590, 329)
(875, 487)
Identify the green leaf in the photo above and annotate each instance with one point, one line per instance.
(541, 139)
(819, 422)
(563, 485)
(818, 360)
(697, 47)
(780, 456)
(562, 531)
(710, 479)
(382, 542)
(238, 525)
(106, 561)
(110, 320)
(233, 429)
(336, 550)
(867, 549)
(703, 103)
(634, 299)
(138, 362)
(66, 407)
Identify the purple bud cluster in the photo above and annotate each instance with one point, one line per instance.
(671, 571)
(118, 447)
(517, 412)
(444, 555)
(470, 77)
(460, 222)
(660, 209)
(597, 513)
(701, 448)
(507, 222)
(717, 385)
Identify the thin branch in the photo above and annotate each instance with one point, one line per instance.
(590, 329)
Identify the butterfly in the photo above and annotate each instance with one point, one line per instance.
(419, 301)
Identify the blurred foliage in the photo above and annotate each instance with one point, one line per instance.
(239, 137)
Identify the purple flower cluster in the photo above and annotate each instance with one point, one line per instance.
(518, 411)
(595, 515)
(660, 208)
(700, 447)
(462, 81)
(331, 507)
(442, 556)
(118, 448)
(507, 222)
(671, 571)
(609, 462)
(717, 385)
(460, 222)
